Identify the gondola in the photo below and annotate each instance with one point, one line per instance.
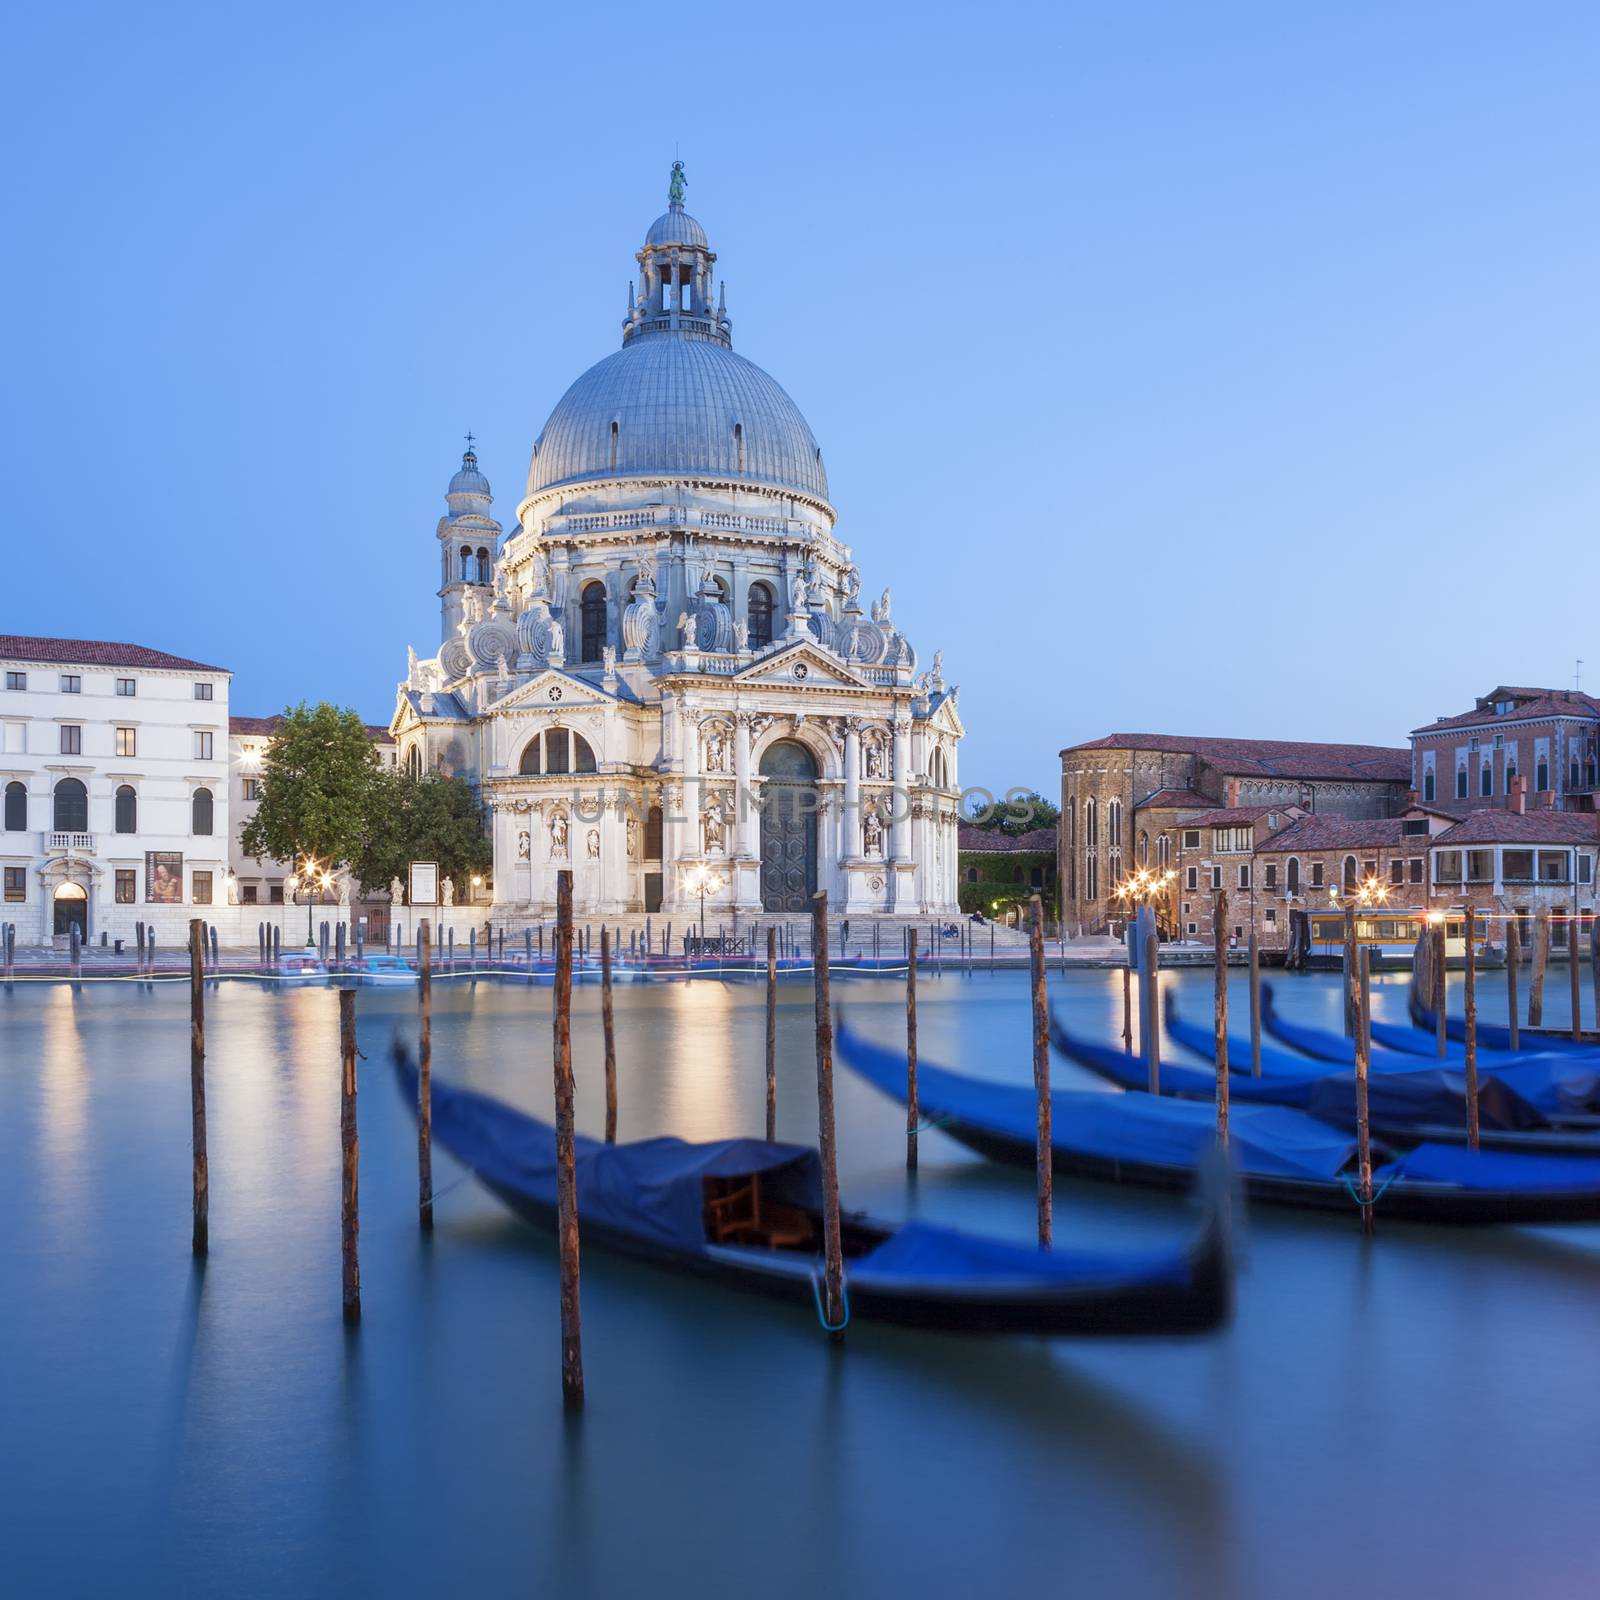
(1491, 1037)
(748, 1214)
(1283, 1156)
(1322, 1045)
(1535, 1107)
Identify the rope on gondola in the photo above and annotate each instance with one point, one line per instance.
(816, 1294)
(1377, 1193)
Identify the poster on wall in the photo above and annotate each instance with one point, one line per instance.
(424, 883)
(163, 877)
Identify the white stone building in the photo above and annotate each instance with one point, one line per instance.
(664, 677)
(114, 772)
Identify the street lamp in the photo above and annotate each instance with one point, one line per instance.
(701, 878)
(313, 876)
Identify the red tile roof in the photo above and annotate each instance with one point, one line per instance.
(94, 653)
(1342, 833)
(1230, 816)
(985, 839)
(1523, 827)
(268, 725)
(1175, 799)
(1271, 758)
(1532, 704)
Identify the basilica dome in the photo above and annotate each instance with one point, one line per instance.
(669, 403)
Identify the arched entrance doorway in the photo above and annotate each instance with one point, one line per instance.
(788, 827)
(72, 910)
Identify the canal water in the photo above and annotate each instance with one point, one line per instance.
(1418, 1415)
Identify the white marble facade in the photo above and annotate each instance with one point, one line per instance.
(673, 636)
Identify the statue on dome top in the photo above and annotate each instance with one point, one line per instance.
(676, 187)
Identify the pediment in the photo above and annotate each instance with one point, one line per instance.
(550, 690)
(801, 665)
(945, 718)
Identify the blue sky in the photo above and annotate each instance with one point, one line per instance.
(1208, 368)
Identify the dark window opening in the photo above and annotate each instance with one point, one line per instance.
(593, 612)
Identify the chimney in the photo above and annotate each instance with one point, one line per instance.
(1519, 793)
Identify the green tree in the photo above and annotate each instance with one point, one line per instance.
(1016, 812)
(431, 818)
(319, 775)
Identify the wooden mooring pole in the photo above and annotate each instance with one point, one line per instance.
(772, 1034)
(1541, 959)
(608, 1026)
(1255, 1004)
(350, 1151)
(832, 1244)
(1575, 974)
(1594, 961)
(200, 1239)
(1363, 1056)
(1127, 1008)
(1219, 1005)
(425, 1080)
(913, 1110)
(1441, 950)
(1149, 1022)
(1513, 962)
(1352, 976)
(1041, 1071)
(1470, 1002)
(566, 1174)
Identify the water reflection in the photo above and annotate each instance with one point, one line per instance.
(229, 1435)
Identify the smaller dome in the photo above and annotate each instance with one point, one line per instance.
(469, 480)
(676, 226)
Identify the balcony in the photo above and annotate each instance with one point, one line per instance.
(70, 843)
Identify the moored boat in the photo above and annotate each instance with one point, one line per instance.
(1283, 1156)
(747, 1213)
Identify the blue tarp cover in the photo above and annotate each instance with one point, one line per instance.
(1268, 1141)
(924, 1252)
(652, 1189)
(1498, 1170)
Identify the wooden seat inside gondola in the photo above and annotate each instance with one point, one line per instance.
(737, 1212)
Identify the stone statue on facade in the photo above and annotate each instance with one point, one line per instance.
(633, 838)
(608, 660)
(558, 641)
(449, 891)
(524, 844)
(688, 625)
(676, 185)
(936, 672)
(741, 637)
(873, 754)
(872, 831)
(880, 607)
(714, 828)
(716, 751)
(591, 844)
(558, 834)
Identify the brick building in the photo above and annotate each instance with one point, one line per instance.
(1551, 737)
(999, 872)
(1124, 799)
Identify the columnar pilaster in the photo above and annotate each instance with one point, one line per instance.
(900, 832)
(746, 821)
(850, 836)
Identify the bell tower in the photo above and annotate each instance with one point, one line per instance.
(469, 544)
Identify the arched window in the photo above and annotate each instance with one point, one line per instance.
(414, 761)
(1163, 850)
(466, 563)
(127, 809)
(1349, 874)
(483, 566)
(1144, 848)
(200, 812)
(1486, 775)
(613, 444)
(16, 808)
(593, 611)
(1461, 782)
(972, 874)
(554, 752)
(759, 609)
(71, 807)
(738, 443)
(1292, 874)
(1428, 786)
(1541, 775)
(652, 834)
(1114, 823)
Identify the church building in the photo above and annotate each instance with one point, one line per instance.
(664, 677)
